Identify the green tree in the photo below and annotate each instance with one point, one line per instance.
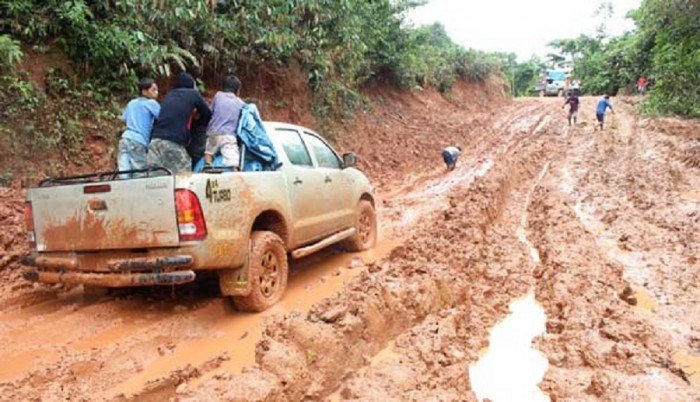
(665, 47)
(671, 31)
(340, 43)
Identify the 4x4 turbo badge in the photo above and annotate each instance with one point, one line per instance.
(216, 194)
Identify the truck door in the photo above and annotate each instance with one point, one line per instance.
(337, 185)
(304, 186)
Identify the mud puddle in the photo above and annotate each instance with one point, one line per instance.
(690, 365)
(511, 369)
(234, 335)
(23, 361)
(645, 301)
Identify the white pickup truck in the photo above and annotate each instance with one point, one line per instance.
(161, 229)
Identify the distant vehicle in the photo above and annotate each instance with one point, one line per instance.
(553, 83)
(101, 230)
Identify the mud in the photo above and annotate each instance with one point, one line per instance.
(601, 226)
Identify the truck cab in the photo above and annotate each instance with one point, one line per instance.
(553, 83)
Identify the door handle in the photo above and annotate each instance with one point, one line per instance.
(328, 179)
(297, 180)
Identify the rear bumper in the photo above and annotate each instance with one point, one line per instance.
(111, 280)
(119, 272)
(116, 264)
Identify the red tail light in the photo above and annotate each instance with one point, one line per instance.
(190, 219)
(102, 188)
(29, 220)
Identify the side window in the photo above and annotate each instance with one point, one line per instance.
(293, 147)
(324, 155)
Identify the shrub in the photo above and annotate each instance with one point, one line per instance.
(10, 52)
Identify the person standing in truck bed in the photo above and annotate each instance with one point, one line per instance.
(139, 116)
(171, 133)
(221, 132)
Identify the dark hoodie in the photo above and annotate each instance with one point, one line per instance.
(175, 111)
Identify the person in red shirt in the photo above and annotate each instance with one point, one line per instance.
(641, 85)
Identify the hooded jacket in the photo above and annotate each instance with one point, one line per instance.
(175, 111)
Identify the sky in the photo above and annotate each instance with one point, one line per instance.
(523, 27)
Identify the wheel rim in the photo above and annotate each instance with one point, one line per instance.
(269, 278)
(365, 228)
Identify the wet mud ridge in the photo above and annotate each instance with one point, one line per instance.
(600, 227)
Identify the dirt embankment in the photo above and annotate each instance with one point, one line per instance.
(613, 217)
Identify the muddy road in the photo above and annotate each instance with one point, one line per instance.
(599, 228)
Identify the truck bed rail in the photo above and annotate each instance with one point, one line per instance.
(103, 176)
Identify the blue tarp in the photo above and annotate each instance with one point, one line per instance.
(258, 150)
(260, 154)
(218, 162)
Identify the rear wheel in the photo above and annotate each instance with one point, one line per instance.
(267, 272)
(365, 236)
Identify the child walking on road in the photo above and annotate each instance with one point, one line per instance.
(603, 104)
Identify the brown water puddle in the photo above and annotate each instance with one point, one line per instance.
(235, 334)
(11, 366)
(645, 301)
(692, 196)
(690, 365)
(57, 325)
(126, 327)
(53, 304)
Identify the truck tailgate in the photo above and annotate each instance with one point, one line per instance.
(138, 213)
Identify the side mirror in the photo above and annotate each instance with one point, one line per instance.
(349, 159)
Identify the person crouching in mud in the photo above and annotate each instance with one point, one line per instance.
(450, 155)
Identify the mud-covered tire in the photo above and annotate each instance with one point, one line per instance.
(365, 236)
(267, 272)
